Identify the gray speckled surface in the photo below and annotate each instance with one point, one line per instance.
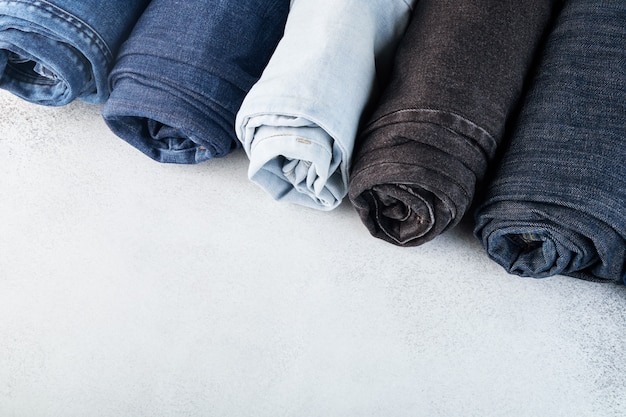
(129, 288)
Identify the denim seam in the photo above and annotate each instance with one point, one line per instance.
(261, 114)
(258, 141)
(414, 194)
(466, 132)
(344, 164)
(69, 19)
(479, 149)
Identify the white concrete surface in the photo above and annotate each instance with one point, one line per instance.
(130, 288)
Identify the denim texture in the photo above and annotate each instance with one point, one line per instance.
(557, 202)
(184, 71)
(299, 122)
(53, 52)
(458, 74)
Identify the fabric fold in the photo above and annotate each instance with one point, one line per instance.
(557, 202)
(458, 74)
(53, 52)
(298, 123)
(175, 93)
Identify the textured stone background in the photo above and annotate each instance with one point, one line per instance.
(130, 288)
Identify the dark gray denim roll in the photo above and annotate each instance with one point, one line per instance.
(458, 73)
(557, 203)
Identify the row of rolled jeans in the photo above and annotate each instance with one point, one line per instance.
(419, 111)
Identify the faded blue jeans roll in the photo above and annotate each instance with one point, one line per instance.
(557, 203)
(184, 71)
(53, 52)
(299, 121)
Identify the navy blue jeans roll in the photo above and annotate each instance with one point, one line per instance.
(458, 73)
(557, 202)
(183, 73)
(54, 51)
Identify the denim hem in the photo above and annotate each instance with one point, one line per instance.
(425, 221)
(509, 227)
(534, 249)
(416, 187)
(415, 176)
(436, 207)
(70, 32)
(317, 113)
(193, 136)
(304, 157)
(447, 119)
(256, 112)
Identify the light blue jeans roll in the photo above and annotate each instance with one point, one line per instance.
(299, 122)
(52, 52)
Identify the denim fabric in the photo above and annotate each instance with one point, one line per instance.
(299, 122)
(458, 73)
(557, 203)
(183, 73)
(52, 52)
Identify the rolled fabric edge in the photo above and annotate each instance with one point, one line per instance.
(182, 131)
(54, 64)
(274, 140)
(541, 239)
(297, 164)
(409, 202)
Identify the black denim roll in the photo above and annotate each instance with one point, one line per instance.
(458, 73)
(557, 202)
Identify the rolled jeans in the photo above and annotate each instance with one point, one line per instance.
(557, 202)
(184, 71)
(459, 73)
(298, 123)
(54, 51)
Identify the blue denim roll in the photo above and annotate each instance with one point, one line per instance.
(299, 122)
(184, 71)
(557, 203)
(53, 52)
